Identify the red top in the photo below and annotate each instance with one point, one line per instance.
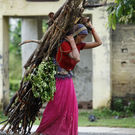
(63, 58)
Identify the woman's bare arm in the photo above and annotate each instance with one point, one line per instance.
(97, 42)
(75, 53)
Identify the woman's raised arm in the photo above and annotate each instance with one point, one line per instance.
(97, 42)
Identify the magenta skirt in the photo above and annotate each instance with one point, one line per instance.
(60, 116)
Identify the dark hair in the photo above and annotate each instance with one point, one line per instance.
(70, 31)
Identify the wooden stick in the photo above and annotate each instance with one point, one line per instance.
(87, 5)
(29, 41)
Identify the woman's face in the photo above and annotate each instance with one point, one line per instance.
(80, 38)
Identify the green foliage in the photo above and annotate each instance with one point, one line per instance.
(15, 68)
(15, 38)
(123, 108)
(122, 11)
(43, 80)
(44, 25)
(14, 85)
(130, 107)
(106, 113)
(2, 116)
(118, 105)
(102, 112)
(106, 117)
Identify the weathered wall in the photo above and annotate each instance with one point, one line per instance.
(4, 42)
(101, 60)
(83, 75)
(1, 61)
(25, 8)
(123, 61)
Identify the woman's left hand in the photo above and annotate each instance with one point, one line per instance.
(70, 38)
(89, 24)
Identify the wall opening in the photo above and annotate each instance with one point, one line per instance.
(15, 68)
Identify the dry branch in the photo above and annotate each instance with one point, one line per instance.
(87, 5)
(29, 41)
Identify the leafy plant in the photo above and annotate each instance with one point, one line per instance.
(43, 80)
(15, 68)
(121, 107)
(14, 85)
(130, 107)
(117, 105)
(122, 11)
(15, 38)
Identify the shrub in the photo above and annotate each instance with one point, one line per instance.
(117, 105)
(123, 106)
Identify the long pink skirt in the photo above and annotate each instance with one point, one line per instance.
(60, 116)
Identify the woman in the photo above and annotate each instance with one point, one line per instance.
(61, 114)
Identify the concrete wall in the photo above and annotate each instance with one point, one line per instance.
(25, 8)
(4, 42)
(101, 76)
(123, 61)
(83, 75)
(1, 61)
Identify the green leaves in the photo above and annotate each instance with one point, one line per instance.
(122, 11)
(43, 80)
(119, 10)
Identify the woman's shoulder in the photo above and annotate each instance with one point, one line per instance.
(65, 45)
(65, 42)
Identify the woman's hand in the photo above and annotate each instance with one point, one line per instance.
(89, 24)
(75, 53)
(70, 38)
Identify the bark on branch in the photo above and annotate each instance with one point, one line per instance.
(87, 5)
(29, 41)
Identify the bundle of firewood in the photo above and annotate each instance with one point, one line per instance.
(24, 106)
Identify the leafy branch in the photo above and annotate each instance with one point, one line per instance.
(121, 11)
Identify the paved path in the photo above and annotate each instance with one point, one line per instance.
(106, 131)
(101, 131)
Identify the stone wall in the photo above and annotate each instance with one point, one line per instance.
(123, 61)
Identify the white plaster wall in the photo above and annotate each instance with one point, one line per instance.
(101, 78)
(25, 8)
(6, 61)
(1, 61)
(102, 61)
(4, 81)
